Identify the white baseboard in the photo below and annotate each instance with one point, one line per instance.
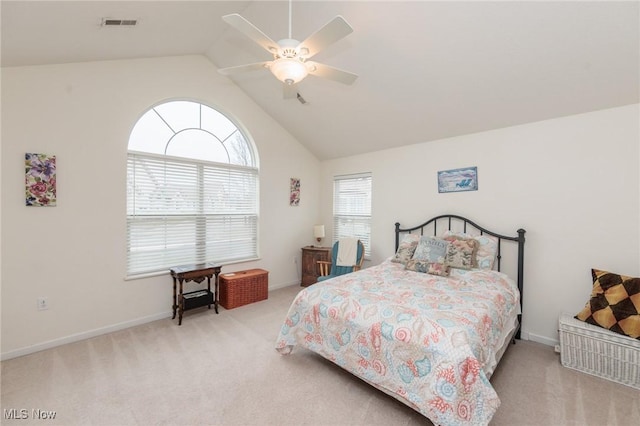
(82, 336)
(525, 335)
(103, 330)
(283, 285)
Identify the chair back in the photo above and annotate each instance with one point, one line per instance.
(341, 270)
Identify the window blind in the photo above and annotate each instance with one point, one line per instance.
(352, 208)
(184, 211)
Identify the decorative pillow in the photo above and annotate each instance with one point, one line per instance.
(614, 303)
(431, 249)
(487, 248)
(461, 253)
(439, 269)
(406, 248)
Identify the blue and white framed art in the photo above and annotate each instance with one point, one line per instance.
(458, 180)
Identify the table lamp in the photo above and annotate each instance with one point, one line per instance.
(318, 232)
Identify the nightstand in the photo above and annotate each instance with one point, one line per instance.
(310, 257)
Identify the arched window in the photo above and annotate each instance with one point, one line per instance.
(192, 189)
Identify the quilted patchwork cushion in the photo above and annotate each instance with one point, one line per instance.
(614, 303)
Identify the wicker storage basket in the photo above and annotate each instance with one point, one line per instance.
(600, 352)
(243, 287)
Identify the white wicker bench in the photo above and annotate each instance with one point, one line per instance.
(600, 352)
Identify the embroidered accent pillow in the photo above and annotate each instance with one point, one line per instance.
(406, 248)
(461, 253)
(487, 248)
(431, 249)
(439, 269)
(614, 303)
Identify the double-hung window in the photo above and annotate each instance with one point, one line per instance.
(352, 208)
(192, 190)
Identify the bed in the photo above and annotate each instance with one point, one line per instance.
(429, 337)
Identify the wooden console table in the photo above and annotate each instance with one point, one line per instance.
(195, 299)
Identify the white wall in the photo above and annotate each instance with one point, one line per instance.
(74, 253)
(572, 183)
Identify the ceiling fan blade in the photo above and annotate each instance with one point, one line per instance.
(243, 68)
(251, 31)
(289, 91)
(333, 31)
(325, 71)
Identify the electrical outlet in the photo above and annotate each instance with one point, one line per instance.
(43, 303)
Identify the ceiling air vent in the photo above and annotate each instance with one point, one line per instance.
(109, 22)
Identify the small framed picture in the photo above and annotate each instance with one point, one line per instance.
(40, 180)
(457, 180)
(294, 192)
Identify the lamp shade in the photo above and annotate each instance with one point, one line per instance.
(318, 231)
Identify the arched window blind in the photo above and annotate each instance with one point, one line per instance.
(192, 190)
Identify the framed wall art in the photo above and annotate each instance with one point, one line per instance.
(40, 180)
(457, 180)
(294, 192)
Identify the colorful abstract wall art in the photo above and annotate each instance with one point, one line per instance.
(40, 179)
(294, 192)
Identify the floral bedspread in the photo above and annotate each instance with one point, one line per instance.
(429, 341)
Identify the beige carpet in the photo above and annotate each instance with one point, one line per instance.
(222, 370)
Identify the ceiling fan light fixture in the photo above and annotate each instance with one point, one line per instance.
(290, 62)
(289, 71)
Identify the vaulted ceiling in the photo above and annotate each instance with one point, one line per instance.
(427, 70)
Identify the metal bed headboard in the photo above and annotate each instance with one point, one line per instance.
(453, 222)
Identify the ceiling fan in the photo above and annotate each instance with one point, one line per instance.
(291, 62)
